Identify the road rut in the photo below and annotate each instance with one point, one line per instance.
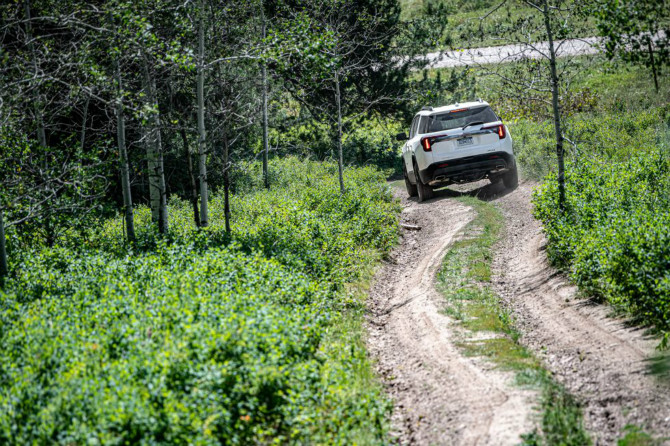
(599, 358)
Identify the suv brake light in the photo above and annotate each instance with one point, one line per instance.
(500, 129)
(426, 144)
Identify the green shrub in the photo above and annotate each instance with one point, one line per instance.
(303, 220)
(201, 337)
(614, 236)
(365, 142)
(609, 136)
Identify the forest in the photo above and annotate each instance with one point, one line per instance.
(195, 197)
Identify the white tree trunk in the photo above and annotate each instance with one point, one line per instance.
(4, 269)
(194, 186)
(41, 133)
(340, 158)
(157, 189)
(202, 135)
(152, 166)
(123, 156)
(555, 107)
(264, 73)
(82, 140)
(226, 180)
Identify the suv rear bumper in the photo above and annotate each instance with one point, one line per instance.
(469, 167)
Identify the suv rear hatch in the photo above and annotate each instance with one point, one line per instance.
(462, 132)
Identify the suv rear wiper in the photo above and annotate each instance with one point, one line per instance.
(472, 123)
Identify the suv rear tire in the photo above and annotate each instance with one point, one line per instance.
(511, 178)
(425, 191)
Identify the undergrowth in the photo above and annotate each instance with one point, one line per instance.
(204, 337)
(612, 237)
(614, 234)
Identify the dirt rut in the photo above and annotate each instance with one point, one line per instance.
(441, 397)
(599, 359)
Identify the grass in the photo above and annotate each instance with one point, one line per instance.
(611, 109)
(242, 338)
(346, 339)
(464, 279)
(636, 437)
(660, 365)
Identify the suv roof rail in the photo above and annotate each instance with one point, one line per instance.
(426, 108)
(480, 100)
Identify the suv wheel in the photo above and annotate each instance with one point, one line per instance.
(511, 178)
(425, 192)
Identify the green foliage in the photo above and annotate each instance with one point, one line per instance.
(468, 30)
(203, 337)
(615, 233)
(46, 192)
(366, 142)
(612, 136)
(321, 43)
(636, 31)
(562, 423)
(636, 437)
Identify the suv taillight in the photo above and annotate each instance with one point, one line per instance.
(426, 144)
(499, 128)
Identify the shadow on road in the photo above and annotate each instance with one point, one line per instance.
(483, 190)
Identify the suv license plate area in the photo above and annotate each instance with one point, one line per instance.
(467, 141)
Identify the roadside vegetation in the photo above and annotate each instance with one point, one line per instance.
(613, 236)
(252, 336)
(466, 29)
(464, 279)
(193, 199)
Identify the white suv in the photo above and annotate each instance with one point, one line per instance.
(457, 143)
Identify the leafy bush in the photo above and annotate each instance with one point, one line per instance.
(614, 136)
(202, 337)
(366, 142)
(614, 236)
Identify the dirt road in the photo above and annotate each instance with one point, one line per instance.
(443, 397)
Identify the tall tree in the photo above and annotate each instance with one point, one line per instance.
(41, 132)
(264, 82)
(340, 60)
(121, 143)
(541, 70)
(154, 145)
(202, 134)
(50, 176)
(555, 104)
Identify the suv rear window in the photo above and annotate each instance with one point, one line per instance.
(459, 118)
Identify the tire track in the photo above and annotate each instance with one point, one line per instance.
(599, 359)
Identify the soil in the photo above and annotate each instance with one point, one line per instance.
(443, 397)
